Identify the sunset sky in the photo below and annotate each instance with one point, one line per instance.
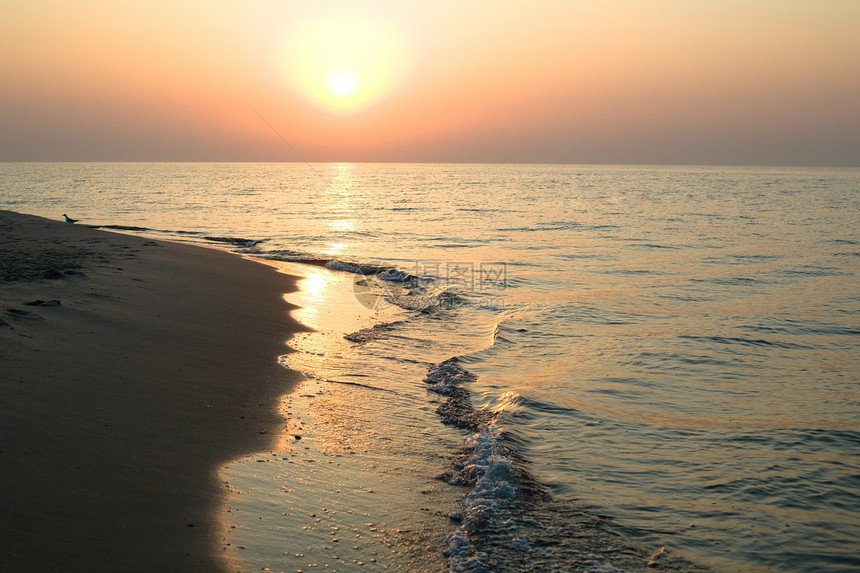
(732, 82)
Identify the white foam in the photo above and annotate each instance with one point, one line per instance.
(393, 276)
(346, 267)
(445, 377)
(491, 469)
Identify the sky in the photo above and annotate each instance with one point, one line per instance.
(723, 82)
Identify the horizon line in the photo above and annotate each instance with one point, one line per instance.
(550, 164)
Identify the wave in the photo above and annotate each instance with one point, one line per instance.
(651, 246)
(745, 341)
(485, 465)
(119, 227)
(376, 284)
(794, 327)
(238, 242)
(235, 241)
(374, 332)
(508, 520)
(426, 302)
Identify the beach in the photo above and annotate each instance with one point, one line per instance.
(131, 371)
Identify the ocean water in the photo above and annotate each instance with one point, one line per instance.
(534, 367)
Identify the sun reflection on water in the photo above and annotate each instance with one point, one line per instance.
(335, 249)
(342, 198)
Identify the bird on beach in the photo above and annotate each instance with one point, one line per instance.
(69, 219)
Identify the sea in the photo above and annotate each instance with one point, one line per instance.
(532, 367)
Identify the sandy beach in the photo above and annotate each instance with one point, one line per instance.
(131, 371)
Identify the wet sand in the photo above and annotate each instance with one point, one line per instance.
(131, 370)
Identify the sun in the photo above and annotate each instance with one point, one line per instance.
(344, 63)
(342, 82)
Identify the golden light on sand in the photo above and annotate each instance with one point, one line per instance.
(345, 63)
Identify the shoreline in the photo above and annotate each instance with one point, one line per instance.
(343, 490)
(157, 365)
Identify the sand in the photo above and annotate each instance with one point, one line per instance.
(131, 370)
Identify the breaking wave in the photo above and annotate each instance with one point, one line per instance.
(508, 520)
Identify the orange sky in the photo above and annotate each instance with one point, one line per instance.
(766, 82)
